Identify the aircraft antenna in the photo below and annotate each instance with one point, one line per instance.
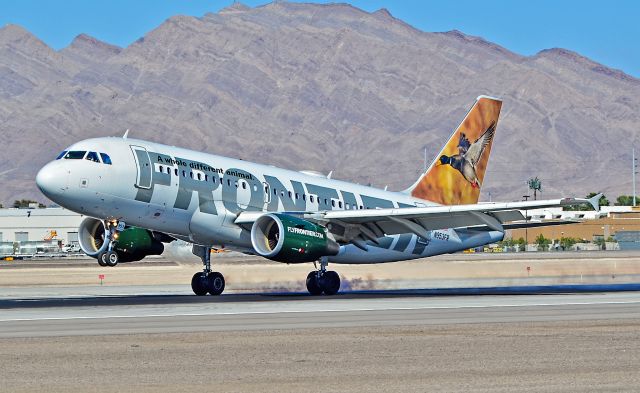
(126, 133)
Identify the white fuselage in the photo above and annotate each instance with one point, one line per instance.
(196, 197)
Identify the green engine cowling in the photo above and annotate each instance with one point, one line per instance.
(133, 244)
(285, 238)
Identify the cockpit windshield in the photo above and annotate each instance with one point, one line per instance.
(75, 155)
(105, 158)
(90, 156)
(93, 156)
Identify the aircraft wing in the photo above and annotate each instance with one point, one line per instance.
(350, 225)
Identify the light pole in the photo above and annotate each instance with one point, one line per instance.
(634, 167)
(526, 218)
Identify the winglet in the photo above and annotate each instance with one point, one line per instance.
(595, 201)
(126, 133)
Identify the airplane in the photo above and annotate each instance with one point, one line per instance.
(138, 195)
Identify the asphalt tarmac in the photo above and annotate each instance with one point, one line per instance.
(401, 341)
(160, 338)
(47, 317)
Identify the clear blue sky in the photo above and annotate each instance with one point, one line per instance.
(605, 31)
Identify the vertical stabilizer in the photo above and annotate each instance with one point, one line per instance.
(456, 174)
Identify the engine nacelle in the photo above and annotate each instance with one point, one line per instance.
(92, 236)
(285, 238)
(132, 243)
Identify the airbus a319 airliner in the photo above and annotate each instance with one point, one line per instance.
(138, 195)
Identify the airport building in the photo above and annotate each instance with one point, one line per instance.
(622, 223)
(28, 231)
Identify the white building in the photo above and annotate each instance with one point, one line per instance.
(557, 213)
(37, 225)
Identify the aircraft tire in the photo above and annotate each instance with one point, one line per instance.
(215, 283)
(199, 284)
(330, 282)
(101, 259)
(312, 284)
(111, 258)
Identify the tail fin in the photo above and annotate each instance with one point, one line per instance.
(456, 174)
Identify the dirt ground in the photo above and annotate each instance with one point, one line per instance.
(515, 357)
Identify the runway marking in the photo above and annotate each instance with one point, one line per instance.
(319, 311)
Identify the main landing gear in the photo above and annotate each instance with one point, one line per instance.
(206, 281)
(323, 280)
(111, 257)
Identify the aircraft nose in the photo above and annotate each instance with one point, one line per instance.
(51, 181)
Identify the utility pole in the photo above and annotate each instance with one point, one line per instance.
(526, 233)
(634, 166)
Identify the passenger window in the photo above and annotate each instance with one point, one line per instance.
(206, 177)
(340, 204)
(191, 175)
(176, 171)
(105, 158)
(297, 196)
(333, 203)
(275, 192)
(311, 198)
(325, 201)
(229, 182)
(199, 176)
(244, 185)
(93, 156)
(184, 174)
(168, 171)
(161, 169)
(289, 194)
(75, 155)
(61, 155)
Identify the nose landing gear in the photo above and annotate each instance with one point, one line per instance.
(111, 257)
(323, 280)
(206, 281)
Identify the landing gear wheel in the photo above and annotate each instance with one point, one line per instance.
(215, 283)
(312, 284)
(101, 259)
(330, 282)
(199, 284)
(111, 258)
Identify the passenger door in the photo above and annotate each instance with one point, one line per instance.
(143, 161)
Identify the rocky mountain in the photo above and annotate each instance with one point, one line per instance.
(322, 87)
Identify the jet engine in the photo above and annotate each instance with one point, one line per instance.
(92, 236)
(132, 244)
(285, 238)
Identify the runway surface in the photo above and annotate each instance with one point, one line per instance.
(143, 331)
(186, 313)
